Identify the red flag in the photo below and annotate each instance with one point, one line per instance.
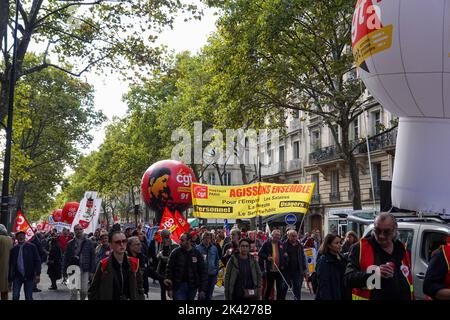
(116, 219)
(169, 222)
(21, 224)
(185, 226)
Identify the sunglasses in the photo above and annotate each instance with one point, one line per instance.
(386, 232)
(119, 242)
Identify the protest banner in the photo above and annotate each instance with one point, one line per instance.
(248, 201)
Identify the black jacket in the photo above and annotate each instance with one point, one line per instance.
(301, 260)
(330, 277)
(179, 260)
(396, 288)
(266, 251)
(31, 261)
(54, 261)
(436, 273)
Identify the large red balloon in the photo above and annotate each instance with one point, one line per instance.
(57, 215)
(167, 183)
(69, 211)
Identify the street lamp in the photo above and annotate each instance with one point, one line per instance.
(5, 203)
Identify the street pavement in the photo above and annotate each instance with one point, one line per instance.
(63, 292)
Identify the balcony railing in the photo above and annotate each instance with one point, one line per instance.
(324, 154)
(384, 141)
(335, 196)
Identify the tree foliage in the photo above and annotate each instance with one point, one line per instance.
(83, 35)
(54, 118)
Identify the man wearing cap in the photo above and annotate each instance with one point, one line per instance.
(24, 267)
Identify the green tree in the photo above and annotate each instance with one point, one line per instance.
(54, 119)
(100, 33)
(292, 55)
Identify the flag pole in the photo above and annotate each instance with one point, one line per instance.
(284, 279)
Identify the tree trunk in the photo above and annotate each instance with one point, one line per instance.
(354, 177)
(4, 97)
(19, 193)
(243, 173)
(354, 173)
(219, 173)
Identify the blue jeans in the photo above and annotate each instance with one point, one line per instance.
(295, 280)
(184, 292)
(27, 288)
(212, 279)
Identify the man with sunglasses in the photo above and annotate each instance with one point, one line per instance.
(383, 253)
(80, 252)
(118, 277)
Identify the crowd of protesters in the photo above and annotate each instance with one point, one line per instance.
(117, 264)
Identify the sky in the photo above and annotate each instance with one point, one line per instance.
(191, 35)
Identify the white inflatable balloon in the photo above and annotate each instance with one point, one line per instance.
(402, 50)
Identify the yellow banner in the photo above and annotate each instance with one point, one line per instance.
(248, 201)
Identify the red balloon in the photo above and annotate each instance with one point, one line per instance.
(167, 183)
(69, 211)
(57, 215)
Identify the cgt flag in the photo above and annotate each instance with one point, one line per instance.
(21, 224)
(169, 222)
(185, 226)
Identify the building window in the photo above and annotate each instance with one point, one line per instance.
(334, 181)
(376, 172)
(336, 129)
(296, 114)
(315, 179)
(296, 150)
(315, 140)
(212, 178)
(227, 179)
(376, 176)
(376, 121)
(270, 156)
(281, 154)
(335, 196)
(356, 129)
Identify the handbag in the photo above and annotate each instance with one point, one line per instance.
(250, 293)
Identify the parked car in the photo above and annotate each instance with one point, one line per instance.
(422, 236)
